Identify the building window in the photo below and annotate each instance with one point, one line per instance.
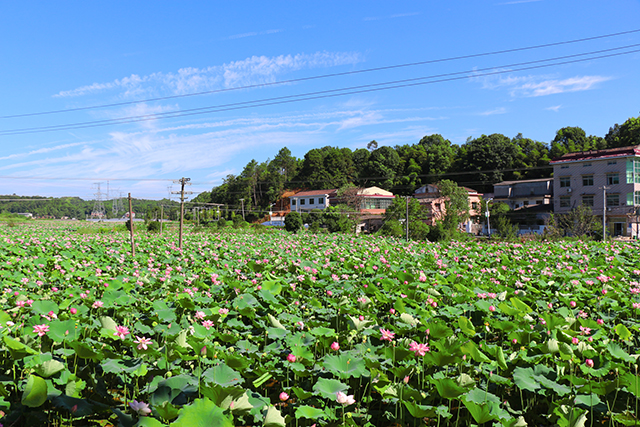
(584, 165)
(293, 202)
(565, 181)
(633, 171)
(564, 167)
(565, 201)
(613, 178)
(587, 180)
(613, 199)
(474, 205)
(320, 200)
(633, 198)
(587, 200)
(302, 201)
(311, 201)
(612, 162)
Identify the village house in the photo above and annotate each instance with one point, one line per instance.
(607, 181)
(429, 196)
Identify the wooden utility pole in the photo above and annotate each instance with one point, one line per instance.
(183, 182)
(161, 216)
(407, 219)
(133, 247)
(242, 200)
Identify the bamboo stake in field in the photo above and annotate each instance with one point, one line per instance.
(133, 247)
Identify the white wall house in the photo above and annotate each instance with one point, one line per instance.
(306, 201)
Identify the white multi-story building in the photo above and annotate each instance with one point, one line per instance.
(306, 201)
(592, 178)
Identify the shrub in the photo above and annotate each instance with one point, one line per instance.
(293, 222)
(153, 227)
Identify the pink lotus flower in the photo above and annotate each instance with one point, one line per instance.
(121, 332)
(140, 408)
(143, 342)
(207, 324)
(291, 357)
(223, 311)
(200, 315)
(335, 346)
(41, 329)
(97, 304)
(589, 363)
(73, 310)
(492, 308)
(419, 349)
(387, 335)
(284, 396)
(343, 399)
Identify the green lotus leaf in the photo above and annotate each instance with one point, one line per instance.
(202, 413)
(328, 388)
(35, 392)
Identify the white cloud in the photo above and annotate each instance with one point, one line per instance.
(550, 87)
(499, 110)
(554, 108)
(541, 85)
(41, 151)
(249, 71)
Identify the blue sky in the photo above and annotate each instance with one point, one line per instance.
(83, 54)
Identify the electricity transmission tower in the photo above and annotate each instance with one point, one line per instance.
(98, 211)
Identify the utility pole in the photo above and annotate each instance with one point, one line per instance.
(183, 182)
(407, 219)
(604, 213)
(487, 215)
(133, 247)
(242, 200)
(161, 216)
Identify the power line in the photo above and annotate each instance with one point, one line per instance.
(322, 76)
(418, 81)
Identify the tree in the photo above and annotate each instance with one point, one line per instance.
(440, 156)
(396, 214)
(382, 167)
(572, 139)
(624, 135)
(293, 222)
(579, 221)
(491, 154)
(456, 204)
(373, 145)
(340, 219)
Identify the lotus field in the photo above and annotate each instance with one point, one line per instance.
(275, 329)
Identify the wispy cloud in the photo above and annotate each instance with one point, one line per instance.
(252, 70)
(253, 34)
(397, 15)
(499, 110)
(550, 87)
(542, 85)
(554, 108)
(41, 151)
(210, 149)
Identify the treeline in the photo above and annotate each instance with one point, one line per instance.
(478, 163)
(75, 207)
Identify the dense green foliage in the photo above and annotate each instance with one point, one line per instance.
(75, 207)
(478, 163)
(293, 330)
